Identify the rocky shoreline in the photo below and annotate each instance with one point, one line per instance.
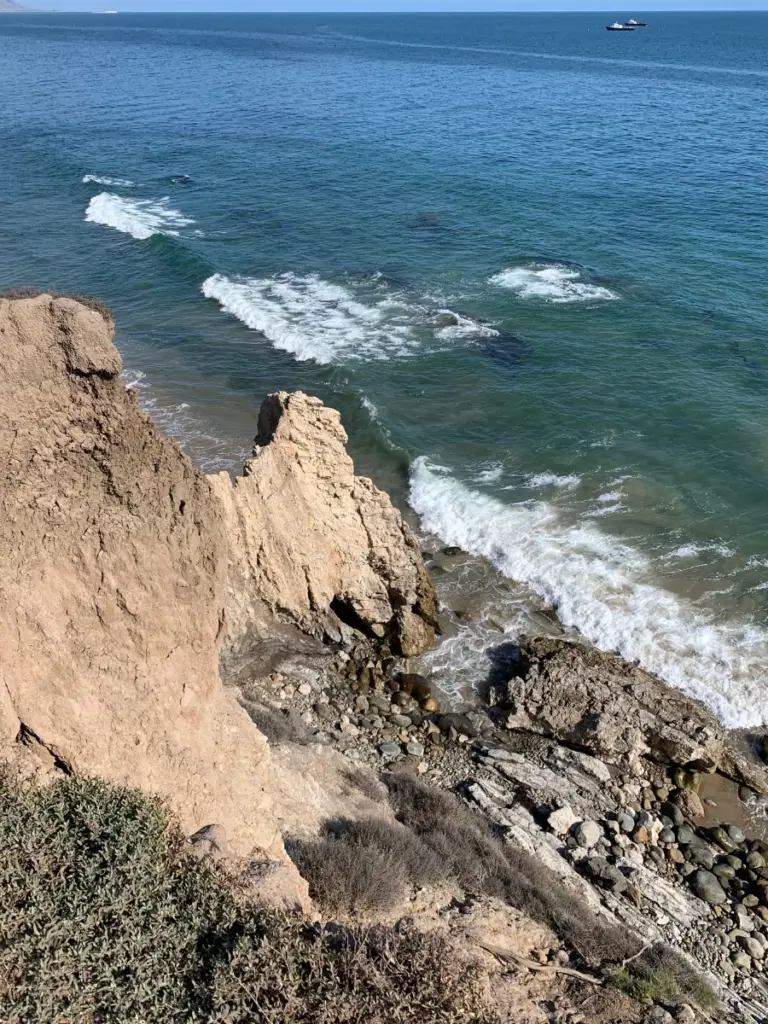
(154, 614)
(584, 761)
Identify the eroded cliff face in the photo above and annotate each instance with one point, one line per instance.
(123, 570)
(314, 542)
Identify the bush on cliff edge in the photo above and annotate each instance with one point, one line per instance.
(104, 917)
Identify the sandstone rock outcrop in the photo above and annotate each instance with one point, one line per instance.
(120, 566)
(316, 543)
(112, 577)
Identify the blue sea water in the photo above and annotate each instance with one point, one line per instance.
(526, 258)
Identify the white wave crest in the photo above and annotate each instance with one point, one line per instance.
(693, 550)
(551, 284)
(460, 327)
(311, 318)
(97, 179)
(140, 218)
(490, 473)
(604, 588)
(568, 481)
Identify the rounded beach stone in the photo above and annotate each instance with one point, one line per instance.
(707, 887)
(587, 834)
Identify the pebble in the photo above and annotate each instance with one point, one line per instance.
(389, 749)
(755, 860)
(658, 1015)
(723, 840)
(626, 822)
(414, 749)
(562, 820)
(640, 835)
(401, 721)
(742, 960)
(735, 834)
(305, 690)
(588, 834)
(667, 836)
(723, 871)
(701, 855)
(685, 835)
(675, 855)
(673, 812)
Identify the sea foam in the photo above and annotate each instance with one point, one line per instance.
(140, 218)
(605, 589)
(312, 318)
(97, 179)
(551, 284)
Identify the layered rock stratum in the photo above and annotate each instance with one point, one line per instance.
(125, 573)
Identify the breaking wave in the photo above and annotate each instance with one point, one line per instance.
(606, 590)
(551, 283)
(141, 218)
(568, 481)
(317, 320)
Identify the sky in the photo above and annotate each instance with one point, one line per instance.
(328, 6)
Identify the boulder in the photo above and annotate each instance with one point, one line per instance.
(707, 888)
(602, 704)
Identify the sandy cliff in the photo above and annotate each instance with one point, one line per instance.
(310, 539)
(123, 570)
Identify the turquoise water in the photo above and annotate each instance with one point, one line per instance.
(525, 257)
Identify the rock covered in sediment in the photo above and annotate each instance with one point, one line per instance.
(601, 703)
(112, 579)
(315, 543)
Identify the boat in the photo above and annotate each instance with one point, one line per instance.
(618, 27)
(635, 24)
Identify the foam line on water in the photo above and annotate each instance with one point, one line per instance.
(551, 283)
(141, 218)
(208, 451)
(567, 481)
(606, 589)
(98, 179)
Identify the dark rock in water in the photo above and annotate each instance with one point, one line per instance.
(460, 723)
(707, 887)
(504, 347)
(735, 834)
(181, 179)
(414, 684)
(451, 551)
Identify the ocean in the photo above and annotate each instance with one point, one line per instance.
(525, 257)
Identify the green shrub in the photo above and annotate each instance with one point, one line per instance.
(365, 867)
(662, 975)
(106, 919)
(474, 856)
